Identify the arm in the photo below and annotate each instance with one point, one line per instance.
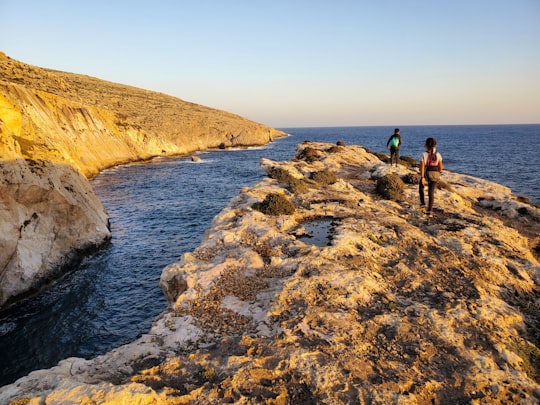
(440, 163)
(422, 172)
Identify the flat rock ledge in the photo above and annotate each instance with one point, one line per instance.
(394, 309)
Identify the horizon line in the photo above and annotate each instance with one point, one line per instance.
(403, 126)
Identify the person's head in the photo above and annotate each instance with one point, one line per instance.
(431, 143)
(396, 131)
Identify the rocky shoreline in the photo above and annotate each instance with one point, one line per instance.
(59, 128)
(396, 308)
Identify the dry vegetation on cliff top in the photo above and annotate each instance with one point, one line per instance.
(156, 112)
(394, 309)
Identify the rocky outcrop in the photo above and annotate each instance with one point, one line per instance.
(49, 219)
(53, 124)
(388, 307)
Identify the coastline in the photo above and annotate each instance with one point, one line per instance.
(394, 308)
(57, 127)
(500, 157)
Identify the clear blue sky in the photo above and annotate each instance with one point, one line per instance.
(290, 63)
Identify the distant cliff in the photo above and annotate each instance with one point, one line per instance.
(57, 127)
(92, 124)
(381, 305)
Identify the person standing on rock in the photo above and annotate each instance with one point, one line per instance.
(393, 144)
(430, 173)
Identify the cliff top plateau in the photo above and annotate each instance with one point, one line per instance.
(326, 284)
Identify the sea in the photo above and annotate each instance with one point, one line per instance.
(160, 210)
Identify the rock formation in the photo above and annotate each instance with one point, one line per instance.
(93, 124)
(54, 125)
(395, 308)
(49, 219)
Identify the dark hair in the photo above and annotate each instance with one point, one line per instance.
(431, 143)
(396, 130)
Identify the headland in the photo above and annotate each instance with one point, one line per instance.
(395, 307)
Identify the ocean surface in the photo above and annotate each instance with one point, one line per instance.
(161, 209)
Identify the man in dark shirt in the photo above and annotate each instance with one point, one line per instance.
(393, 144)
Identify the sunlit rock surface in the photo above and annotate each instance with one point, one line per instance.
(394, 309)
(54, 125)
(49, 218)
(93, 124)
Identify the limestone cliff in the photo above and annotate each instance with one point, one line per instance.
(54, 125)
(391, 308)
(92, 124)
(49, 219)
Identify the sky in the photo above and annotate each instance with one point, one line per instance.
(300, 63)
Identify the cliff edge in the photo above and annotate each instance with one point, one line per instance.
(57, 128)
(311, 287)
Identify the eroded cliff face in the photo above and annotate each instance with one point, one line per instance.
(92, 124)
(55, 125)
(49, 219)
(395, 308)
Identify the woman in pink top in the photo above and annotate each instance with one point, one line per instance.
(430, 173)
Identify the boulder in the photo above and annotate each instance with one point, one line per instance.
(49, 218)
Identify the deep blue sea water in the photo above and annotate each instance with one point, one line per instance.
(160, 210)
